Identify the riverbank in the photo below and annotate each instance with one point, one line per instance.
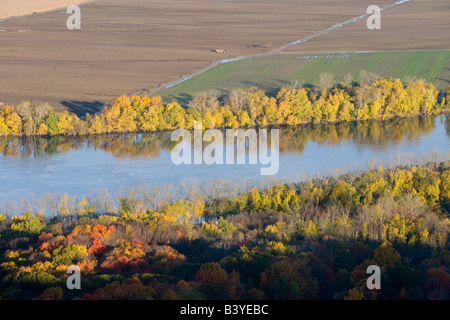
(381, 100)
(88, 166)
(322, 235)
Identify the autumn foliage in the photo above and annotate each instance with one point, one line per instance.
(312, 240)
(382, 99)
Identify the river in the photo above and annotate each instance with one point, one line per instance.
(81, 166)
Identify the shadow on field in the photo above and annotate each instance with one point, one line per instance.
(182, 98)
(80, 108)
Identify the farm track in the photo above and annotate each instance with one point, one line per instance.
(280, 50)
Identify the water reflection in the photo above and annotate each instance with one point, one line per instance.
(292, 139)
(79, 166)
(447, 124)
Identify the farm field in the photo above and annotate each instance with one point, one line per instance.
(332, 192)
(414, 25)
(126, 47)
(16, 8)
(271, 72)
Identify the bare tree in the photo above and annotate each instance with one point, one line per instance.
(104, 201)
(191, 189)
(348, 79)
(9, 208)
(205, 100)
(295, 84)
(237, 100)
(33, 114)
(410, 79)
(367, 77)
(326, 81)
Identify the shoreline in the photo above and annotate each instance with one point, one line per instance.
(389, 164)
(442, 112)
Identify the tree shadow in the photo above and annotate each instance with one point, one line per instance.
(444, 80)
(183, 99)
(80, 108)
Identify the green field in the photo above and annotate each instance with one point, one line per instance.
(271, 72)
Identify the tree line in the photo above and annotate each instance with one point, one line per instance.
(379, 100)
(312, 239)
(292, 139)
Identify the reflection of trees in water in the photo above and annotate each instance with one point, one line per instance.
(144, 145)
(292, 139)
(130, 145)
(369, 132)
(447, 124)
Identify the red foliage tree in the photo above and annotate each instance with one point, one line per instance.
(97, 248)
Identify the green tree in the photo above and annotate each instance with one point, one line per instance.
(27, 224)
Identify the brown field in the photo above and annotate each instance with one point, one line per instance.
(129, 46)
(15, 8)
(416, 25)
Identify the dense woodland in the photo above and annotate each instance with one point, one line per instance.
(308, 240)
(381, 99)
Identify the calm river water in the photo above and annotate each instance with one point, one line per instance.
(79, 166)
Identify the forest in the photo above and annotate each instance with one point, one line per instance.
(293, 105)
(311, 239)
